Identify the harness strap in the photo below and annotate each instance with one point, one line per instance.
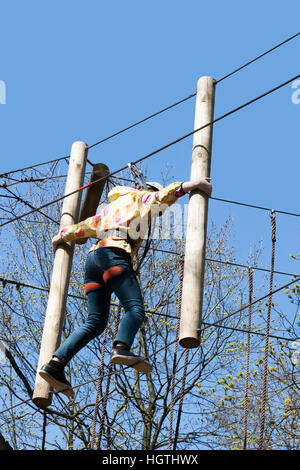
(121, 233)
(92, 286)
(112, 272)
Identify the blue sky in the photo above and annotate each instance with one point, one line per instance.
(83, 70)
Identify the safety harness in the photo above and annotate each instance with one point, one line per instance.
(140, 182)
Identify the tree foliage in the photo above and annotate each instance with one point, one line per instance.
(137, 415)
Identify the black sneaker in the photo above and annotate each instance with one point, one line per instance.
(124, 357)
(55, 376)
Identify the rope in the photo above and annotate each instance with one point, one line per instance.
(99, 383)
(181, 265)
(104, 402)
(247, 360)
(265, 374)
(180, 139)
(181, 397)
(159, 350)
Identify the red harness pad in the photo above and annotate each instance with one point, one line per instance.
(91, 286)
(112, 272)
(107, 275)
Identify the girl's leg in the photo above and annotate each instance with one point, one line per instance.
(98, 311)
(127, 289)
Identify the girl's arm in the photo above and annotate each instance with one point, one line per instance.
(202, 184)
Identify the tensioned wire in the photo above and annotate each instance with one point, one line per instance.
(206, 324)
(164, 109)
(155, 152)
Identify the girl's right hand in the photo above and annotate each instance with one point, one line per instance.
(202, 184)
(205, 186)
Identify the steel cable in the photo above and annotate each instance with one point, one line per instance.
(160, 149)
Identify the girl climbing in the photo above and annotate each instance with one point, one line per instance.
(120, 229)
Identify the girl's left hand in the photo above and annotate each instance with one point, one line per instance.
(57, 240)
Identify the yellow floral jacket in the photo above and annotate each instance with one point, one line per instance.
(124, 222)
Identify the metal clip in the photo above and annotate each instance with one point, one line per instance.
(137, 175)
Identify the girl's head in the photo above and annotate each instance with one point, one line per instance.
(153, 186)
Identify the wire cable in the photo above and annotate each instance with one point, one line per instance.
(254, 206)
(160, 149)
(162, 110)
(33, 166)
(149, 312)
(141, 121)
(247, 305)
(194, 94)
(230, 263)
(258, 57)
(19, 199)
(45, 289)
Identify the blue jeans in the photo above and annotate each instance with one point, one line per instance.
(108, 270)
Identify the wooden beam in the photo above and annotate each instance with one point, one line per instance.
(93, 194)
(55, 313)
(194, 263)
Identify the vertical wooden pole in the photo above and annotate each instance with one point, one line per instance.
(93, 195)
(61, 273)
(193, 281)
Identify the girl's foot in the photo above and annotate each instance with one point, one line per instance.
(125, 357)
(53, 373)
